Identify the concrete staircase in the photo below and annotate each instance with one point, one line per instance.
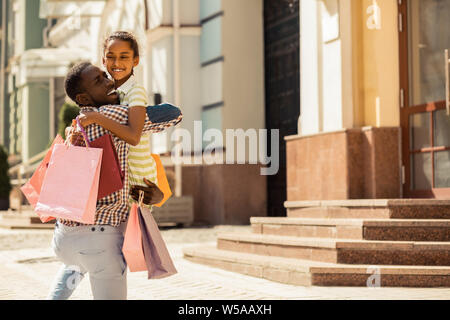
(399, 243)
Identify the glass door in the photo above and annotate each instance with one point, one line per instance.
(425, 123)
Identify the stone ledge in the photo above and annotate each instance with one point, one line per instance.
(290, 264)
(352, 222)
(327, 243)
(367, 269)
(279, 240)
(307, 221)
(391, 245)
(26, 225)
(304, 136)
(363, 129)
(307, 273)
(366, 203)
(444, 223)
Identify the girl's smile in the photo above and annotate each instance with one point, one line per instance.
(119, 60)
(117, 74)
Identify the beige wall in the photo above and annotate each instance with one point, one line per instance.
(243, 70)
(377, 65)
(350, 80)
(358, 64)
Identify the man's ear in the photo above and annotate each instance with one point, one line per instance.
(83, 99)
(135, 61)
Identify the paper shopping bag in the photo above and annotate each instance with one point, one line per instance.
(163, 184)
(70, 186)
(157, 257)
(132, 244)
(32, 188)
(111, 175)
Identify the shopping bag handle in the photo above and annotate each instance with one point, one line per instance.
(141, 198)
(83, 132)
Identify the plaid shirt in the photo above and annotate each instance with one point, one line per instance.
(114, 209)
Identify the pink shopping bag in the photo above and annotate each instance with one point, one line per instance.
(70, 187)
(32, 188)
(132, 244)
(157, 257)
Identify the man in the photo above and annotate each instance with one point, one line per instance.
(97, 249)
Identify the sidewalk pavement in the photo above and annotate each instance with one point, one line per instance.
(28, 265)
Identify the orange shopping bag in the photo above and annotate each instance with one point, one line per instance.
(163, 184)
(132, 244)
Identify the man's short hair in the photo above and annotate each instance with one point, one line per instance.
(72, 83)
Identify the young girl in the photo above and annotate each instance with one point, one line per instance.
(120, 56)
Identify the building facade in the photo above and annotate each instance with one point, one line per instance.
(373, 121)
(356, 88)
(205, 56)
(372, 142)
(21, 33)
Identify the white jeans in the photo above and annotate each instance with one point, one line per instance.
(93, 249)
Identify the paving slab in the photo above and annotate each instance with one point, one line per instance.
(27, 273)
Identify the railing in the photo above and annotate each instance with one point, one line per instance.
(25, 167)
(447, 82)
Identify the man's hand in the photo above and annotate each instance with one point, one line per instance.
(152, 194)
(77, 139)
(74, 137)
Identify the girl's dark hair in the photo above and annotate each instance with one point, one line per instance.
(123, 36)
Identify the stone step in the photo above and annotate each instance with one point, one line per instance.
(24, 220)
(368, 229)
(372, 209)
(307, 273)
(437, 230)
(25, 225)
(308, 227)
(339, 251)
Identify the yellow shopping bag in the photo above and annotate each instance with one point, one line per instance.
(163, 184)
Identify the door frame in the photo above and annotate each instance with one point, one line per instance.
(277, 23)
(406, 111)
